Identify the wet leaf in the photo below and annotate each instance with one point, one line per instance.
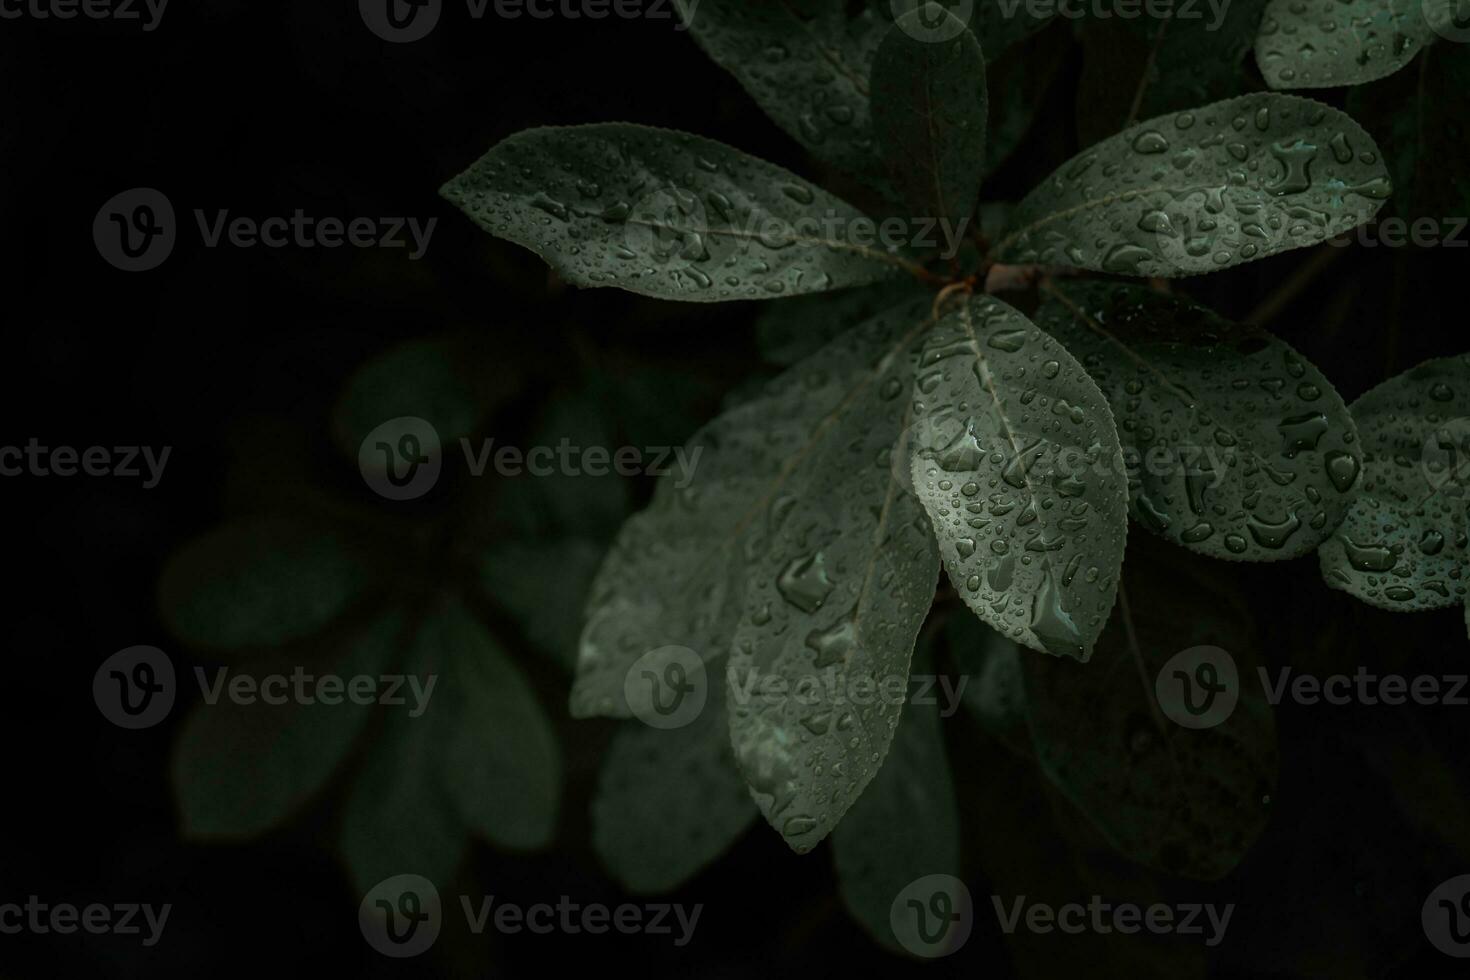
(240, 769)
(1403, 544)
(794, 544)
(667, 214)
(929, 114)
(807, 63)
(1203, 190)
(1016, 460)
(1236, 446)
(260, 582)
(1325, 43)
(903, 827)
(1187, 801)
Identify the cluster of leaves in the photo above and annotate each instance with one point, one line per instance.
(923, 423)
(309, 576)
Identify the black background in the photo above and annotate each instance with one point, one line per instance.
(263, 108)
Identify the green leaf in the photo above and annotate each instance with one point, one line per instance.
(1016, 460)
(1237, 447)
(451, 382)
(805, 63)
(564, 499)
(669, 803)
(1326, 43)
(903, 827)
(545, 587)
(675, 575)
(500, 760)
(667, 214)
(399, 816)
(794, 330)
(260, 582)
(1403, 544)
(929, 114)
(1419, 126)
(793, 528)
(480, 758)
(838, 582)
(1187, 801)
(241, 769)
(1138, 69)
(1203, 190)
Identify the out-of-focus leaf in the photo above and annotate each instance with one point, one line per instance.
(500, 761)
(241, 769)
(994, 689)
(670, 802)
(545, 586)
(1187, 801)
(450, 382)
(258, 583)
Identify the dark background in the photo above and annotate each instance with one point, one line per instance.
(263, 108)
